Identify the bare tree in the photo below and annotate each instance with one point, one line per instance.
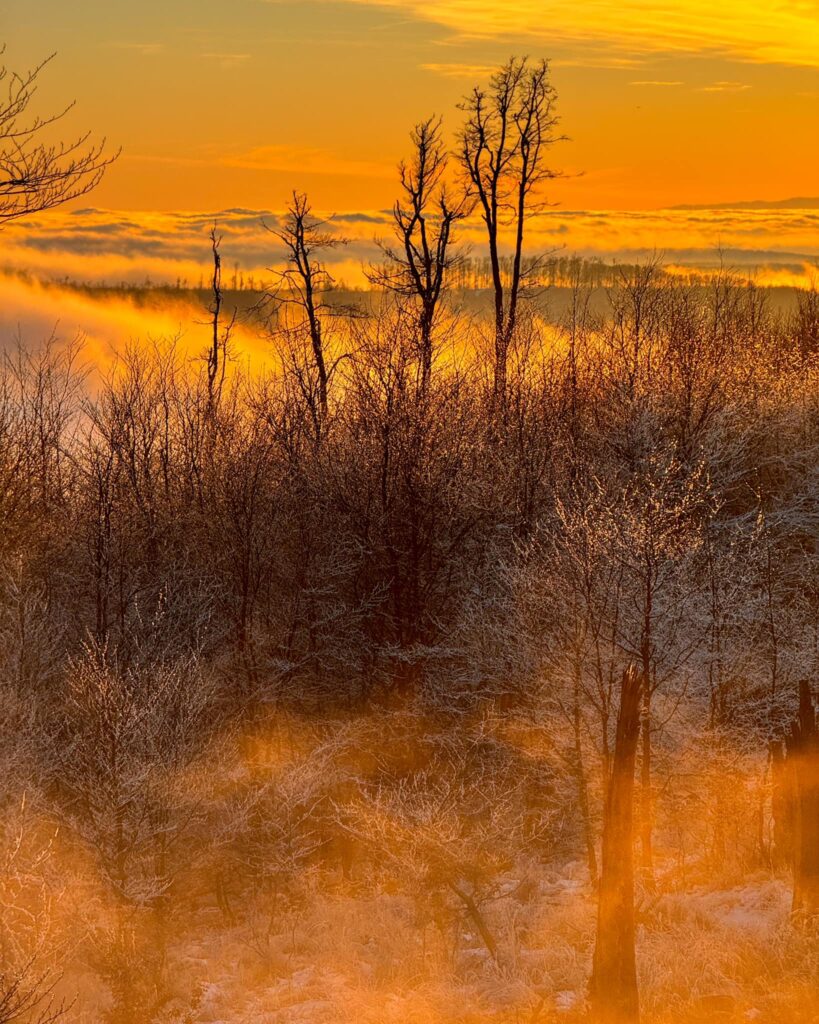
(36, 174)
(657, 533)
(28, 994)
(503, 144)
(130, 733)
(31, 949)
(805, 325)
(447, 817)
(304, 279)
(217, 353)
(423, 219)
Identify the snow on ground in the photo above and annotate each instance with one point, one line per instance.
(704, 954)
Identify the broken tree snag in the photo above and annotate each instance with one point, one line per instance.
(803, 758)
(613, 987)
(782, 806)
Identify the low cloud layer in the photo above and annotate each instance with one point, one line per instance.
(113, 246)
(779, 244)
(103, 324)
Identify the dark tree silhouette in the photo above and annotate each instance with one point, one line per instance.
(220, 337)
(35, 174)
(28, 994)
(782, 804)
(503, 144)
(304, 278)
(803, 758)
(424, 218)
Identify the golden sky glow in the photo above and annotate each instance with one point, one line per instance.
(222, 105)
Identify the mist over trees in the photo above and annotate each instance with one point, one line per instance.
(458, 669)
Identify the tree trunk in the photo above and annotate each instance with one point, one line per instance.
(646, 809)
(613, 988)
(582, 785)
(477, 918)
(427, 320)
(782, 805)
(803, 756)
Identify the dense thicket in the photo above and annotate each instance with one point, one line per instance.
(255, 651)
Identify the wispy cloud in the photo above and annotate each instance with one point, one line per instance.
(306, 160)
(726, 87)
(144, 49)
(279, 158)
(595, 59)
(460, 70)
(228, 60)
(658, 83)
(786, 32)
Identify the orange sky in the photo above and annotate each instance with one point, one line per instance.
(221, 105)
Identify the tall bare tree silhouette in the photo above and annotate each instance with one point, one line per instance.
(424, 217)
(300, 286)
(503, 143)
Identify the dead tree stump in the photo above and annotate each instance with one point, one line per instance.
(782, 805)
(613, 988)
(803, 762)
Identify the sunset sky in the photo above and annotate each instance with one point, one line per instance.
(231, 105)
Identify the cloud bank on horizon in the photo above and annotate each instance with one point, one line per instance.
(103, 246)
